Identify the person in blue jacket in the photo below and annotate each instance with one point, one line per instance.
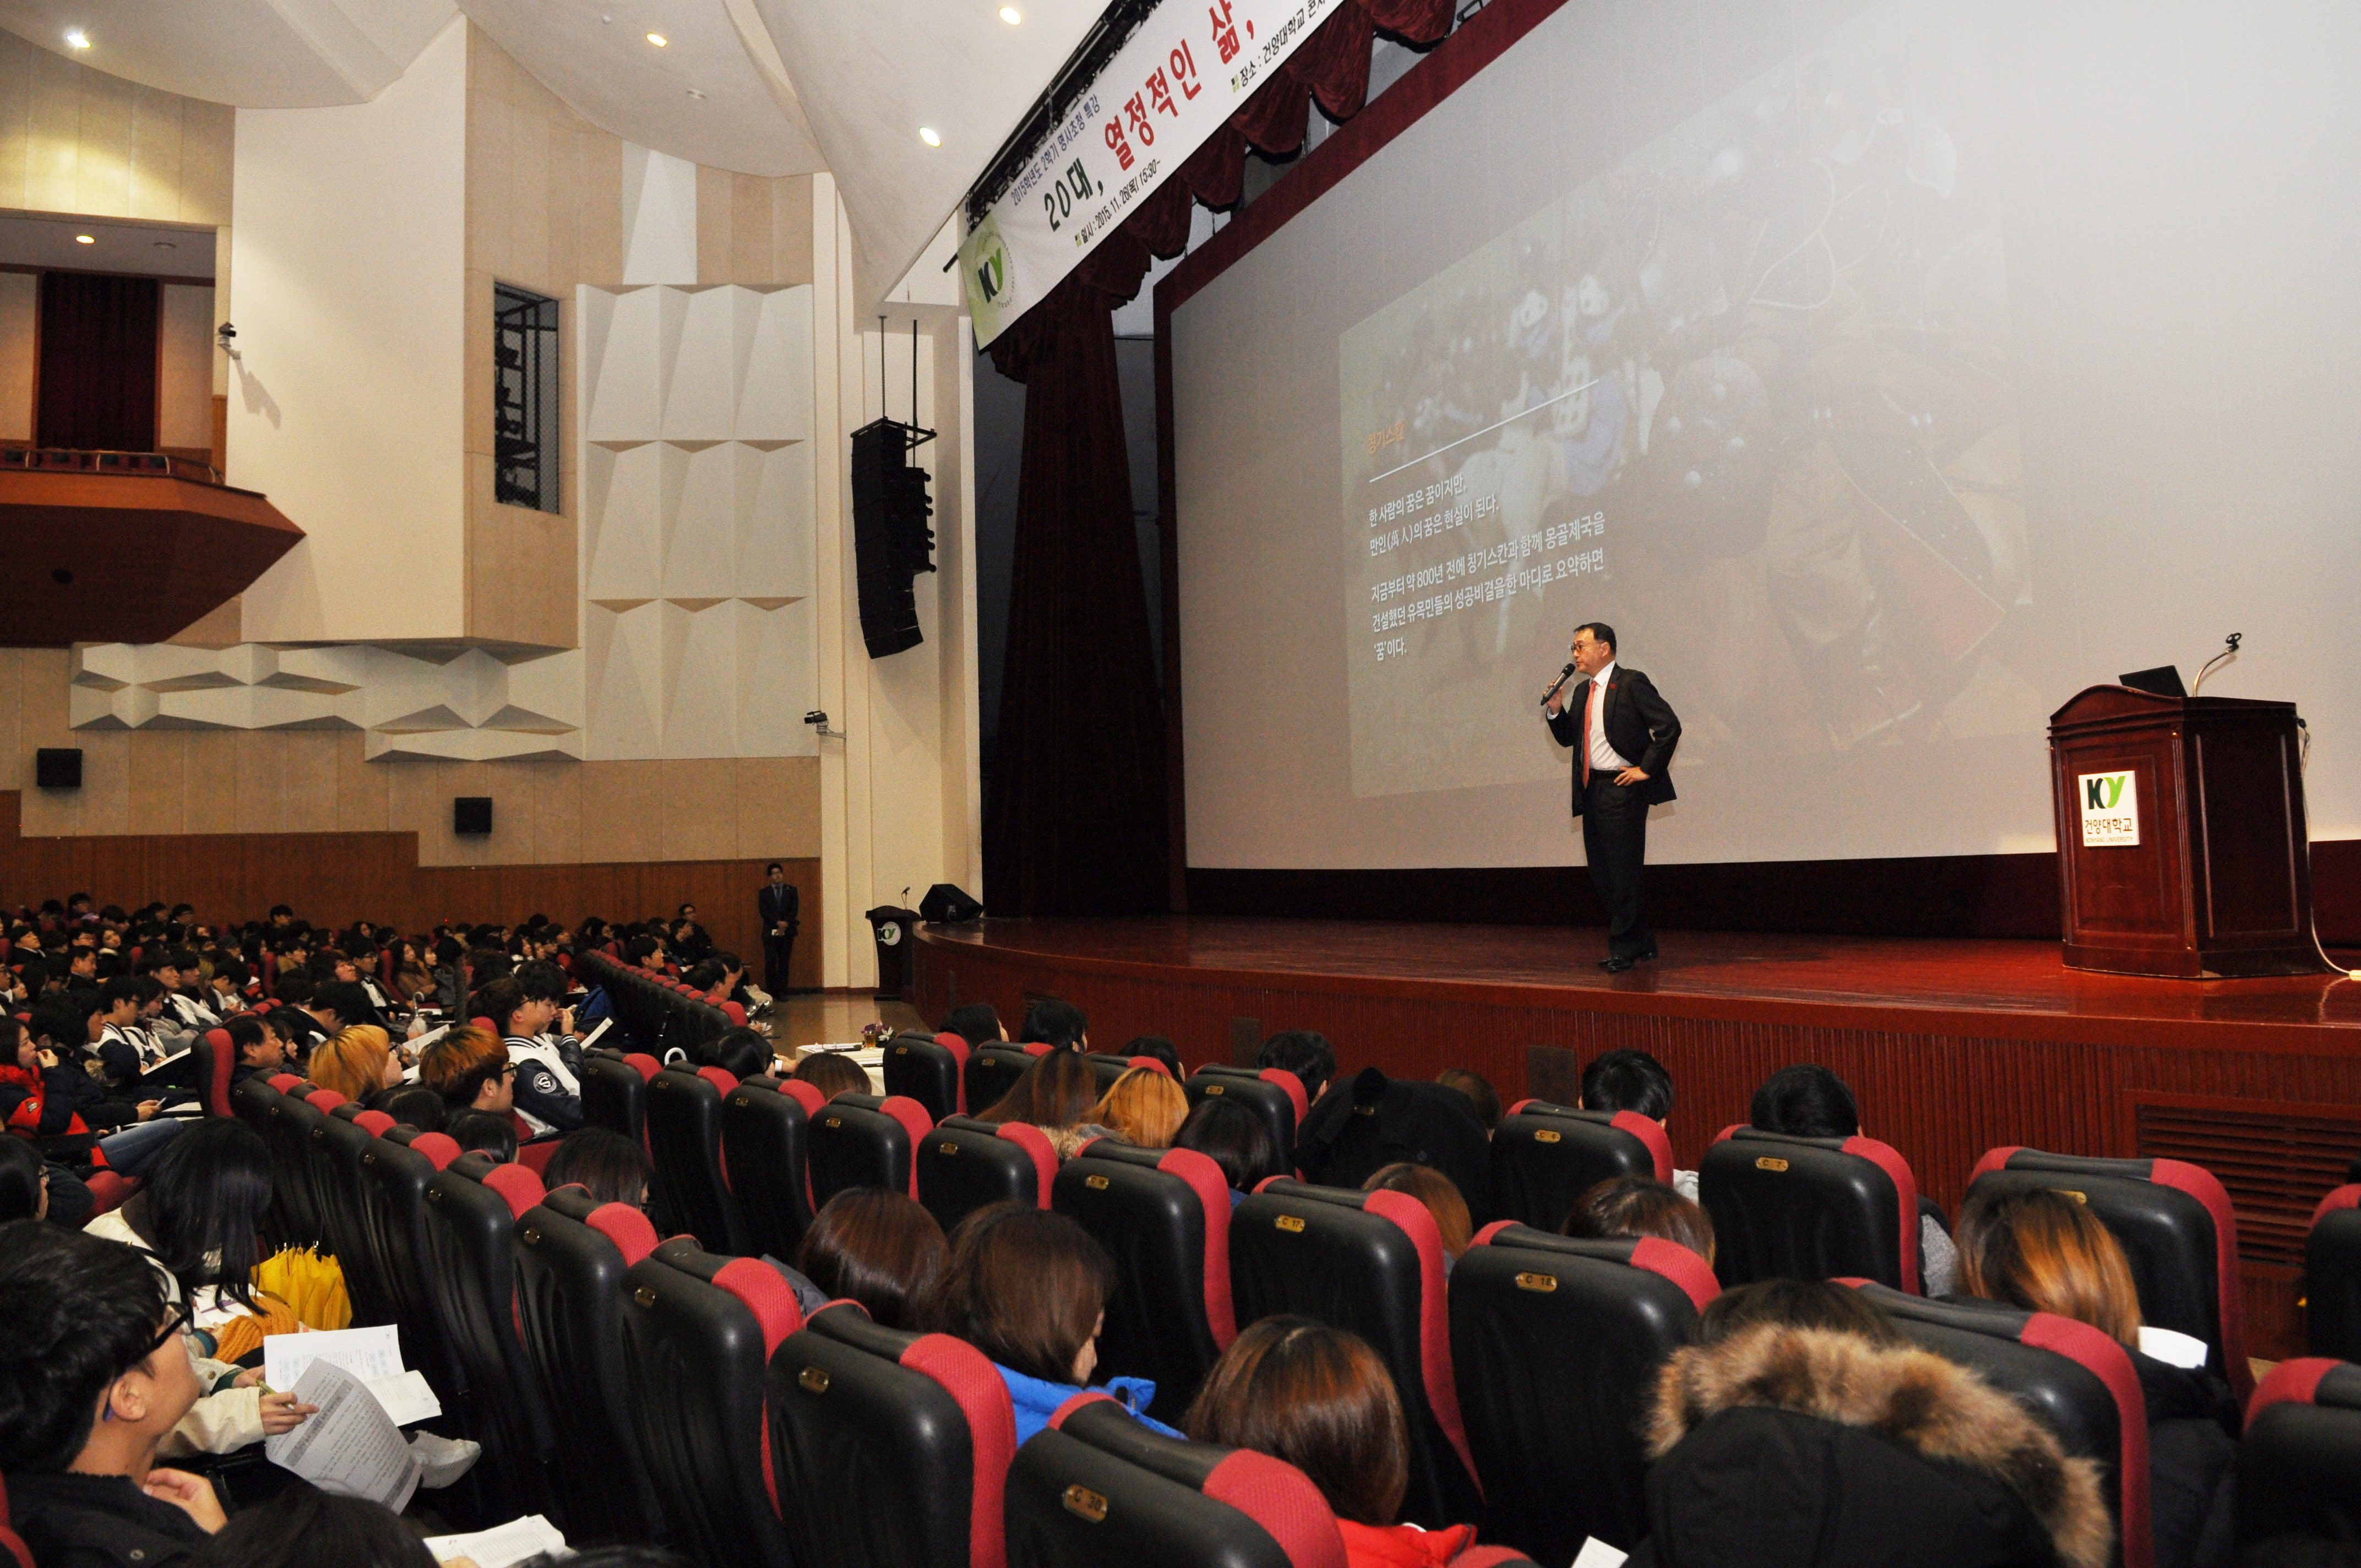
(1028, 1288)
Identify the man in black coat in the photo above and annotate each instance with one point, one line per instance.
(780, 907)
(1624, 743)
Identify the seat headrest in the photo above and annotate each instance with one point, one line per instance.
(440, 1148)
(518, 1185)
(627, 1228)
(767, 1295)
(975, 1385)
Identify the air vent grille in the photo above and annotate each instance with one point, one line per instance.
(2276, 1161)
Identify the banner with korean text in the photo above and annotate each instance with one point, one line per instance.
(1189, 68)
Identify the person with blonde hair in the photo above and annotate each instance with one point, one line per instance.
(355, 1062)
(2045, 1252)
(470, 1069)
(1144, 1108)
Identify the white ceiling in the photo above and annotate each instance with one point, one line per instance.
(790, 86)
(116, 246)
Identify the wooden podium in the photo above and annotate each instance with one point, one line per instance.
(2182, 845)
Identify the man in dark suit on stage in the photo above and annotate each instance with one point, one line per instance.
(781, 907)
(1624, 745)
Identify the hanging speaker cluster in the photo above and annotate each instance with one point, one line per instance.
(891, 542)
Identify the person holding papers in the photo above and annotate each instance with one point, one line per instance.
(93, 1373)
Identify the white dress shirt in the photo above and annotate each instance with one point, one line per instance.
(1603, 757)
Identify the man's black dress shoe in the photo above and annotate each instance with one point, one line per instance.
(1616, 966)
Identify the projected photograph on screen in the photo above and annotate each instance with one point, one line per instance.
(1753, 382)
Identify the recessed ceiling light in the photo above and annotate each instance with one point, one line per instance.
(85, 239)
(694, 93)
(76, 38)
(1011, 14)
(926, 134)
(166, 245)
(658, 40)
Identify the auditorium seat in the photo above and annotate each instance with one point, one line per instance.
(215, 1058)
(1272, 1094)
(1368, 1121)
(1810, 1209)
(10, 1541)
(1111, 1069)
(1370, 1262)
(286, 1126)
(697, 1331)
(398, 1170)
(930, 1069)
(255, 1103)
(865, 1140)
(346, 1147)
(764, 1134)
(993, 1069)
(1555, 1343)
(470, 1244)
(614, 1092)
(2332, 1276)
(963, 1163)
(2175, 1227)
(571, 1255)
(1544, 1157)
(888, 1447)
(2299, 1462)
(1164, 1216)
(2072, 1377)
(685, 1146)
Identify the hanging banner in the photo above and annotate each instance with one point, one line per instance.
(1189, 68)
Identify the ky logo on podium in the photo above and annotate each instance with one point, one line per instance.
(2109, 809)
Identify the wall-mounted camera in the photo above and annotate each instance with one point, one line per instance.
(227, 336)
(818, 721)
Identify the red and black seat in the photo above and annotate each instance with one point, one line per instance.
(866, 1140)
(1109, 1069)
(765, 1134)
(930, 1069)
(2177, 1230)
(993, 1069)
(10, 1541)
(1272, 1094)
(1556, 1343)
(615, 1092)
(1164, 1216)
(397, 1167)
(963, 1163)
(470, 1239)
(888, 1447)
(571, 1255)
(2332, 1276)
(2072, 1377)
(346, 1146)
(690, 1192)
(287, 1124)
(698, 1330)
(1370, 1262)
(1544, 1157)
(215, 1059)
(2299, 1462)
(1810, 1209)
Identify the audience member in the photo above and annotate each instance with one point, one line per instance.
(1631, 1079)
(1320, 1399)
(256, 1052)
(1028, 1288)
(1155, 1047)
(469, 1067)
(744, 1053)
(356, 1062)
(417, 1106)
(303, 1527)
(2042, 1251)
(977, 1024)
(65, 1111)
(1434, 1189)
(1479, 1091)
(1051, 1022)
(832, 1073)
(1144, 1108)
(93, 1373)
(24, 1182)
(1807, 1101)
(866, 1244)
(1308, 1055)
(484, 1133)
(547, 1070)
(1233, 1138)
(1800, 1430)
(1055, 1093)
(611, 1168)
(1633, 1206)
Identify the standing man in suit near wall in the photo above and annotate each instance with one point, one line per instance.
(1622, 720)
(780, 907)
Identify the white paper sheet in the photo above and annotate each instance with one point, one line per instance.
(407, 1398)
(2172, 1346)
(368, 1353)
(1596, 1553)
(349, 1445)
(502, 1546)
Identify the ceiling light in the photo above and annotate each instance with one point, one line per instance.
(77, 38)
(85, 239)
(1011, 14)
(166, 245)
(926, 134)
(658, 40)
(694, 93)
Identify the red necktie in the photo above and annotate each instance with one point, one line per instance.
(1589, 712)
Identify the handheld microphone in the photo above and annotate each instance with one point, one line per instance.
(1554, 686)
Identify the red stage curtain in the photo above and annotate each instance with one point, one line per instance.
(98, 362)
(1075, 821)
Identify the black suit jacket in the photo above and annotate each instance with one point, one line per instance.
(1638, 723)
(780, 906)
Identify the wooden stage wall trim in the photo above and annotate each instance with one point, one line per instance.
(1934, 895)
(336, 878)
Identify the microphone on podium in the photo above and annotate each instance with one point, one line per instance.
(1554, 686)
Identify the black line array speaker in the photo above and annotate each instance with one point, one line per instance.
(891, 541)
(58, 767)
(471, 814)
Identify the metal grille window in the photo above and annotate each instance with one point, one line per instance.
(525, 454)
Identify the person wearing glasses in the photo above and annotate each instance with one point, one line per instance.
(470, 1069)
(93, 1373)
